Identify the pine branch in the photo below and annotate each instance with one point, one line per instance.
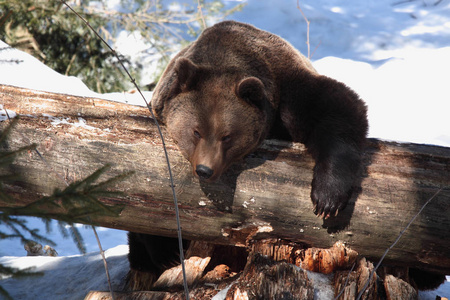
(77, 238)
(79, 201)
(76, 202)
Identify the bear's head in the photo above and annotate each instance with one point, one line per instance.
(215, 117)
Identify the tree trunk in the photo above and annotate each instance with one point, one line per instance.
(267, 195)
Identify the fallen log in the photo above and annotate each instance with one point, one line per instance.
(267, 195)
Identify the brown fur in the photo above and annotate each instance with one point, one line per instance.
(222, 95)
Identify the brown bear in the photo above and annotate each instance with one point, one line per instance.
(222, 95)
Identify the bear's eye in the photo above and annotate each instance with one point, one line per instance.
(226, 138)
(197, 134)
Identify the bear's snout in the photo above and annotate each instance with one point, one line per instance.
(203, 172)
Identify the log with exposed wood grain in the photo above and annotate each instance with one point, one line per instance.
(267, 195)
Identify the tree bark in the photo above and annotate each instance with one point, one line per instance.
(267, 195)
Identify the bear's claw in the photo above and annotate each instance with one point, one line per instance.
(328, 203)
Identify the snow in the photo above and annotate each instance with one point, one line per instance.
(395, 56)
(410, 103)
(66, 277)
(6, 113)
(221, 295)
(108, 237)
(23, 70)
(322, 285)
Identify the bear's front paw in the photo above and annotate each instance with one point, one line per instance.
(329, 196)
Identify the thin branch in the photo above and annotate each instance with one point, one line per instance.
(199, 7)
(402, 2)
(307, 28)
(102, 253)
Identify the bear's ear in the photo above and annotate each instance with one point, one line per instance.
(251, 89)
(181, 75)
(187, 73)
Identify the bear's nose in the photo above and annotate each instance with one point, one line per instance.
(203, 171)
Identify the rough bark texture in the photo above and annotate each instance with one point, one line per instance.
(270, 273)
(349, 286)
(267, 195)
(264, 278)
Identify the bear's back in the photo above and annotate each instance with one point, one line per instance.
(232, 44)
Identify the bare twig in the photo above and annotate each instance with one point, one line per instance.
(102, 253)
(402, 2)
(314, 51)
(199, 7)
(3, 19)
(70, 64)
(307, 28)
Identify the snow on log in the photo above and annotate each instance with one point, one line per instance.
(267, 195)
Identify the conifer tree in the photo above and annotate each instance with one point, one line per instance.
(56, 36)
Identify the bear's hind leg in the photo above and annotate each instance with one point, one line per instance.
(149, 257)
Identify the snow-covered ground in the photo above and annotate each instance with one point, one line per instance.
(396, 56)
